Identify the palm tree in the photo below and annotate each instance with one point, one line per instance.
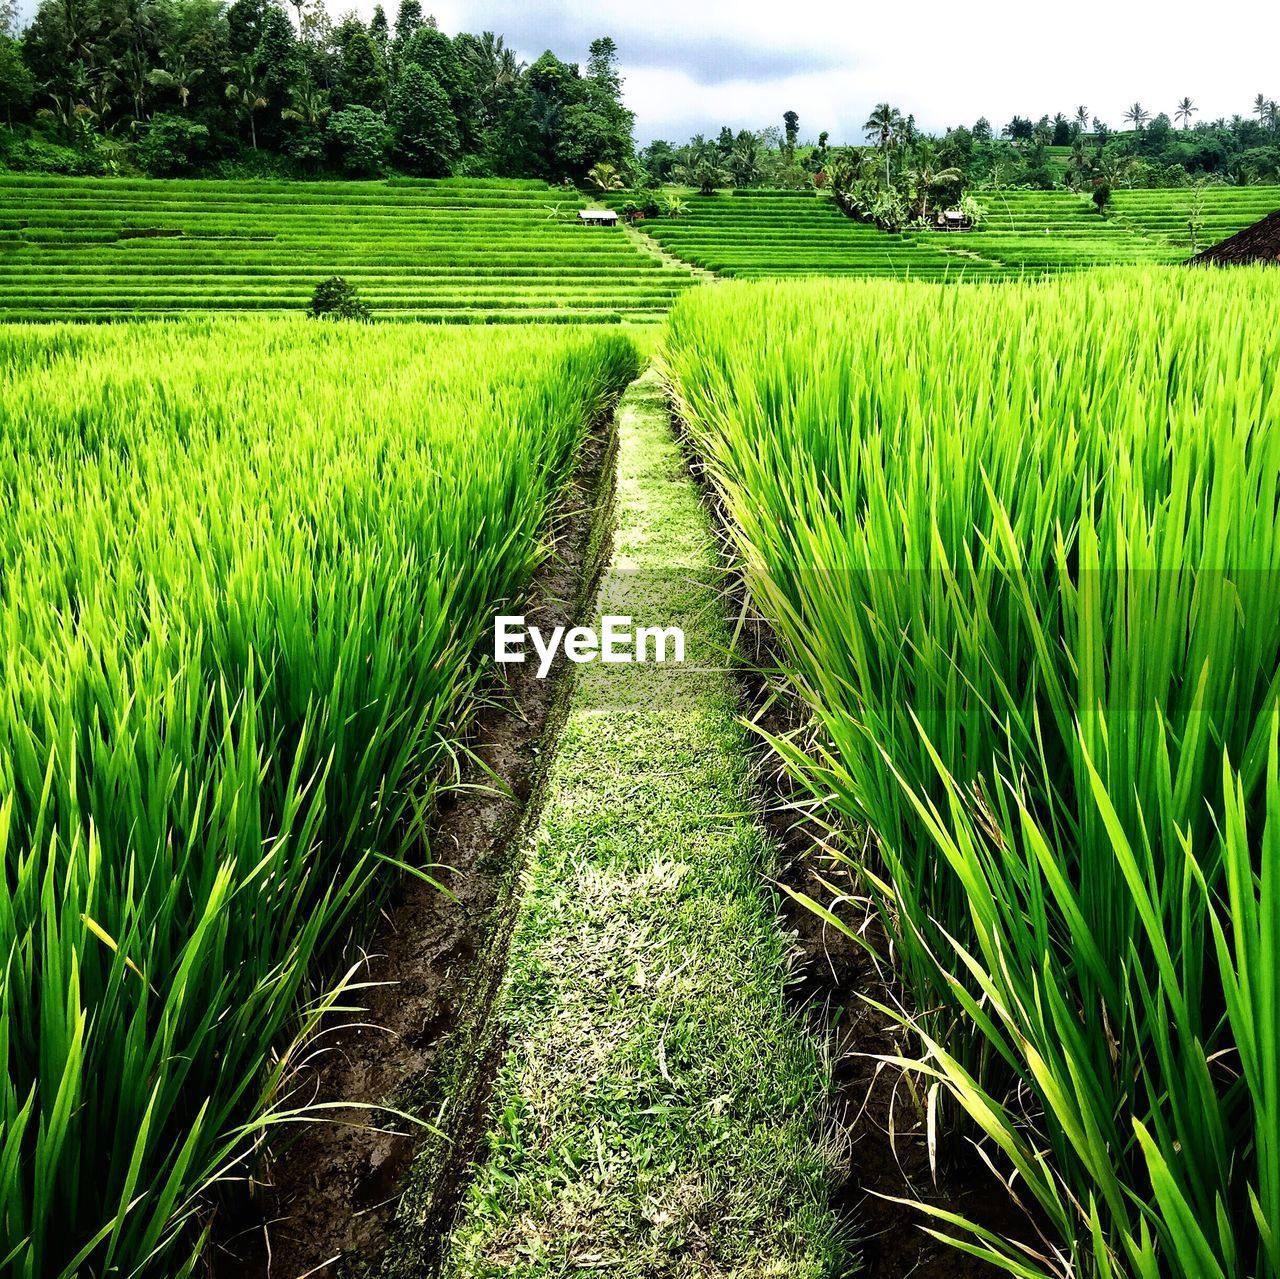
(926, 179)
(308, 104)
(136, 74)
(883, 126)
(245, 90)
(1186, 109)
(1273, 115)
(1137, 116)
(605, 177)
(1260, 108)
(179, 75)
(744, 160)
(1082, 119)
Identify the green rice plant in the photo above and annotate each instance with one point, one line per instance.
(101, 248)
(1019, 546)
(246, 572)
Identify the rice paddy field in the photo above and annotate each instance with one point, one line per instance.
(240, 648)
(1019, 548)
(757, 234)
(1004, 509)
(452, 250)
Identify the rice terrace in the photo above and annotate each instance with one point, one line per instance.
(577, 703)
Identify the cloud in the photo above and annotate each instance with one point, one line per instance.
(692, 67)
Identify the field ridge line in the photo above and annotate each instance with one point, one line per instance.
(659, 1111)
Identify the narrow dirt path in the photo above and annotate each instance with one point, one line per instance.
(651, 246)
(659, 1112)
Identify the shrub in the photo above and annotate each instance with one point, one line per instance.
(337, 299)
(359, 138)
(1101, 194)
(174, 145)
(35, 154)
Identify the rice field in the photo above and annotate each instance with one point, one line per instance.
(759, 234)
(461, 251)
(246, 571)
(749, 234)
(1008, 502)
(1019, 549)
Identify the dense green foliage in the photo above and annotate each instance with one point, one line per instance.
(457, 250)
(245, 571)
(900, 172)
(186, 86)
(1019, 546)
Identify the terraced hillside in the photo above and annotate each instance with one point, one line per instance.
(1166, 215)
(454, 250)
(786, 233)
(749, 234)
(1045, 232)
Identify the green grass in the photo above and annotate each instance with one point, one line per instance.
(244, 570)
(1020, 548)
(452, 250)
(658, 1113)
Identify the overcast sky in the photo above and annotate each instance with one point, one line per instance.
(693, 65)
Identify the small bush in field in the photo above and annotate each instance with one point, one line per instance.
(337, 299)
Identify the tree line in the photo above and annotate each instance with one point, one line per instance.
(899, 174)
(197, 86)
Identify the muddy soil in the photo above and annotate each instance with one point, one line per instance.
(324, 1199)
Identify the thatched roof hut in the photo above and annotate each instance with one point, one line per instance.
(1257, 243)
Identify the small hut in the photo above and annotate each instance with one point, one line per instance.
(1259, 243)
(597, 217)
(952, 220)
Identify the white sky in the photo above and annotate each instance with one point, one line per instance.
(692, 66)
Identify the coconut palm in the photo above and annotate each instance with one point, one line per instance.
(883, 127)
(1137, 116)
(1260, 107)
(308, 104)
(605, 177)
(925, 179)
(744, 160)
(245, 90)
(1186, 109)
(1082, 119)
(177, 74)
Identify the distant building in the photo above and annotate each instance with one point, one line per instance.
(597, 217)
(1259, 243)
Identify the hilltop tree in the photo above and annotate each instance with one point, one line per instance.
(791, 130)
(883, 127)
(245, 90)
(1186, 109)
(424, 132)
(17, 84)
(1137, 116)
(380, 34)
(361, 76)
(409, 21)
(279, 62)
(245, 19)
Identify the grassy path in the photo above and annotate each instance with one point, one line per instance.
(658, 1112)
